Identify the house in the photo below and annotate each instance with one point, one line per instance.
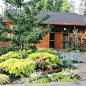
(64, 23)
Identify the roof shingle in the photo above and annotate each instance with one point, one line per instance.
(58, 17)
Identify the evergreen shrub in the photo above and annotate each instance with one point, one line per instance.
(18, 68)
(4, 79)
(3, 59)
(46, 50)
(50, 60)
(17, 55)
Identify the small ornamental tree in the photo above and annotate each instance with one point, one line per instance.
(76, 36)
(27, 28)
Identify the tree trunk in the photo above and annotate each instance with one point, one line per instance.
(21, 50)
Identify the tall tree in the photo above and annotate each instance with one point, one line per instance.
(54, 5)
(28, 28)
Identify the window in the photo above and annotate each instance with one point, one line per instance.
(52, 44)
(65, 44)
(58, 29)
(51, 36)
(65, 37)
(71, 29)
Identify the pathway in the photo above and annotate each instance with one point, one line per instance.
(80, 83)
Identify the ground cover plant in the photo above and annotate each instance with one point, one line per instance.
(69, 49)
(43, 80)
(68, 61)
(64, 76)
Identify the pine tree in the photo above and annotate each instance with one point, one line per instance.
(28, 29)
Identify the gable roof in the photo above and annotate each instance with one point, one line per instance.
(65, 18)
(58, 17)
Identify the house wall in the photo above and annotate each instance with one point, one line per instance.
(57, 42)
(44, 43)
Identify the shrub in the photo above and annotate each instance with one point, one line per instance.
(4, 79)
(69, 80)
(15, 55)
(68, 61)
(3, 59)
(22, 81)
(17, 67)
(61, 75)
(46, 50)
(51, 60)
(69, 49)
(43, 80)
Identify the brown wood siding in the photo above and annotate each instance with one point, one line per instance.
(58, 38)
(45, 42)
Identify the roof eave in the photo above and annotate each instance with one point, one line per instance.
(68, 24)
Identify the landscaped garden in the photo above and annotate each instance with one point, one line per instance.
(42, 66)
(22, 62)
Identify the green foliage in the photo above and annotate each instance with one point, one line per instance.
(69, 49)
(36, 75)
(25, 31)
(61, 75)
(43, 80)
(4, 79)
(17, 67)
(76, 36)
(2, 59)
(17, 3)
(56, 5)
(7, 49)
(69, 80)
(22, 81)
(51, 60)
(68, 61)
(17, 55)
(52, 77)
(31, 48)
(46, 50)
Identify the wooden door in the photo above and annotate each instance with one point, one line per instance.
(58, 41)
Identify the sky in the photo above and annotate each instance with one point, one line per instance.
(1, 4)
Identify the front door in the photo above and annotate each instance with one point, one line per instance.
(58, 41)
